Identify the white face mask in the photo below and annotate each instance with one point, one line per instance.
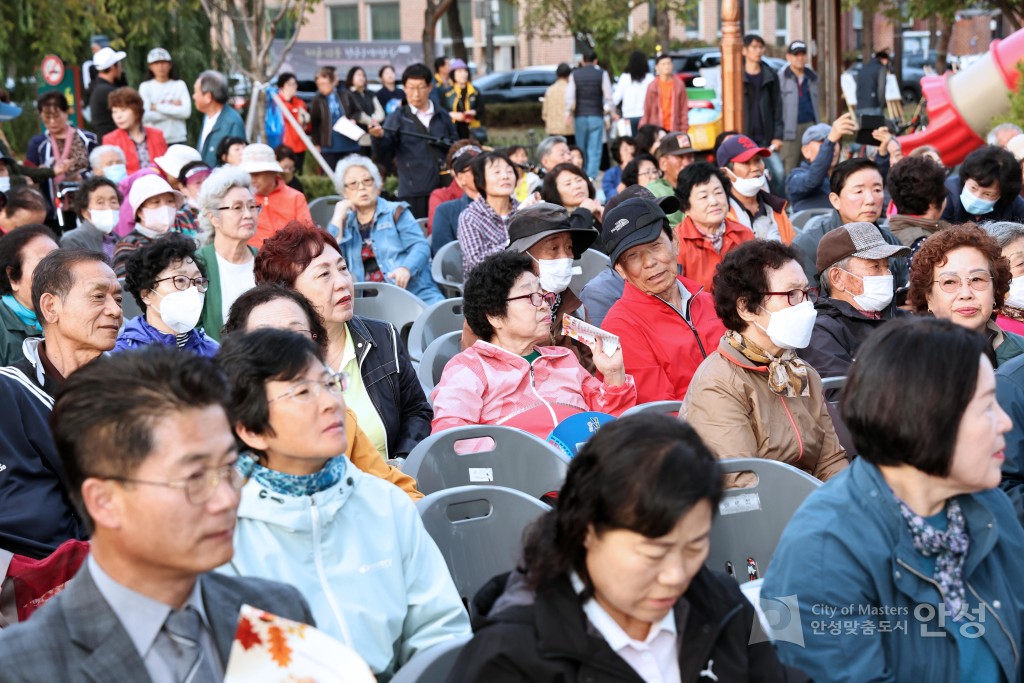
(748, 187)
(104, 219)
(157, 221)
(5, 183)
(791, 327)
(554, 274)
(180, 311)
(877, 292)
(1015, 297)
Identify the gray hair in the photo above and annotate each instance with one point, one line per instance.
(215, 188)
(351, 161)
(97, 154)
(1004, 232)
(1001, 128)
(823, 282)
(216, 84)
(547, 144)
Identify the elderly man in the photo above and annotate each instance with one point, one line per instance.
(162, 503)
(666, 323)
(108, 161)
(1002, 134)
(77, 300)
(551, 151)
(798, 84)
(750, 202)
(279, 203)
(857, 292)
(674, 153)
(210, 93)
(808, 184)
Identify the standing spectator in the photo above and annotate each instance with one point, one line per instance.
(631, 90)
(165, 98)
(750, 202)
(390, 97)
(210, 93)
(553, 109)
(369, 108)
(60, 146)
(588, 97)
(799, 88)
(279, 204)
(987, 189)
(916, 185)
(20, 253)
(440, 82)
(622, 150)
(288, 89)
(807, 185)
(109, 73)
(871, 85)
(418, 160)
(140, 144)
(24, 206)
(89, 72)
(445, 228)
(97, 203)
(463, 100)
(666, 104)
(762, 107)
(483, 226)
(329, 105)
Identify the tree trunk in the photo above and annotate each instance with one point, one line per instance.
(455, 29)
(867, 48)
(663, 25)
(431, 15)
(945, 28)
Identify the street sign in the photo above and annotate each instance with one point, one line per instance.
(53, 75)
(53, 69)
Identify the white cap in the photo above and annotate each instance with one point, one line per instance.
(1016, 146)
(158, 54)
(106, 58)
(149, 186)
(175, 158)
(257, 158)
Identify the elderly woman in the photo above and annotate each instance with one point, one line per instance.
(568, 186)
(507, 377)
(914, 536)
(97, 203)
(169, 286)
(383, 390)
(60, 147)
(140, 144)
(21, 251)
(986, 189)
(353, 544)
(276, 306)
(227, 212)
(154, 206)
(755, 397)
(110, 162)
(960, 274)
(1010, 238)
(612, 584)
(381, 240)
(706, 235)
(483, 225)
(280, 203)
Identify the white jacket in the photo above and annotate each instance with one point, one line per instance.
(631, 95)
(169, 118)
(361, 557)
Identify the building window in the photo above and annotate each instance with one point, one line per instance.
(384, 21)
(508, 19)
(781, 23)
(286, 27)
(344, 22)
(752, 15)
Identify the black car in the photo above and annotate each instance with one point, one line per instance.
(521, 85)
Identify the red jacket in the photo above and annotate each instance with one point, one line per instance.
(439, 197)
(659, 348)
(156, 145)
(680, 106)
(698, 258)
(282, 205)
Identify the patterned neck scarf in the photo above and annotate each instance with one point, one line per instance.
(787, 372)
(717, 237)
(1012, 312)
(299, 485)
(950, 547)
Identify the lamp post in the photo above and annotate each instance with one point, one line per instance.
(732, 66)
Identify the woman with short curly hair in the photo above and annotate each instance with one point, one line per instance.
(959, 274)
(755, 397)
(140, 144)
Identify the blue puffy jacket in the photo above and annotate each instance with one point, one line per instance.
(138, 333)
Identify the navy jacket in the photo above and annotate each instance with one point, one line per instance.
(418, 161)
(1010, 393)
(446, 222)
(808, 184)
(1006, 209)
(839, 330)
(229, 124)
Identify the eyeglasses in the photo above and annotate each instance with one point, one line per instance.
(182, 283)
(951, 284)
(365, 184)
(201, 486)
(252, 209)
(308, 390)
(416, 88)
(537, 299)
(650, 173)
(797, 296)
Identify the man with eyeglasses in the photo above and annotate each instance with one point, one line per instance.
(151, 463)
(857, 295)
(77, 300)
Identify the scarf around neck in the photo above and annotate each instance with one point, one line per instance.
(26, 315)
(787, 372)
(949, 548)
(293, 484)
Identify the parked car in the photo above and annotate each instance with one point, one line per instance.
(521, 85)
(688, 63)
(915, 67)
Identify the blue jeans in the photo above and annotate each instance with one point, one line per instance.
(589, 137)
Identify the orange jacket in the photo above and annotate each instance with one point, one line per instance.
(777, 205)
(363, 454)
(282, 205)
(696, 255)
(156, 145)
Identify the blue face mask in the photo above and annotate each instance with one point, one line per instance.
(975, 205)
(115, 173)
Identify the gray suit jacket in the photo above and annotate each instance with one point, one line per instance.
(77, 637)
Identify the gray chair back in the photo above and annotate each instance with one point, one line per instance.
(666, 407)
(322, 208)
(479, 531)
(751, 520)
(446, 269)
(590, 263)
(435, 357)
(432, 665)
(829, 383)
(440, 318)
(388, 302)
(518, 460)
(800, 218)
(129, 307)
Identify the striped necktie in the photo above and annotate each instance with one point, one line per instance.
(179, 645)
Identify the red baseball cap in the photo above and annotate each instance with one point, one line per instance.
(739, 148)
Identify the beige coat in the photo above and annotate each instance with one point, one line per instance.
(553, 111)
(738, 416)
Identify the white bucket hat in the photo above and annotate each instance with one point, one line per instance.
(258, 158)
(175, 158)
(149, 186)
(106, 58)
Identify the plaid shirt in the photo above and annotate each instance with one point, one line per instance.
(482, 232)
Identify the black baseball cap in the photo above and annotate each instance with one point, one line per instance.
(543, 219)
(633, 222)
(796, 47)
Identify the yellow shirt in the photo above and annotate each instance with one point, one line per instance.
(357, 398)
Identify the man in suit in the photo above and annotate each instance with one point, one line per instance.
(145, 440)
(210, 93)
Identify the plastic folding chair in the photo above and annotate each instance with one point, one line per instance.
(446, 269)
(479, 531)
(432, 665)
(388, 302)
(666, 407)
(800, 218)
(129, 307)
(751, 520)
(322, 209)
(440, 318)
(517, 460)
(590, 264)
(435, 357)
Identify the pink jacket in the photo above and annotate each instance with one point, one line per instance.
(486, 384)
